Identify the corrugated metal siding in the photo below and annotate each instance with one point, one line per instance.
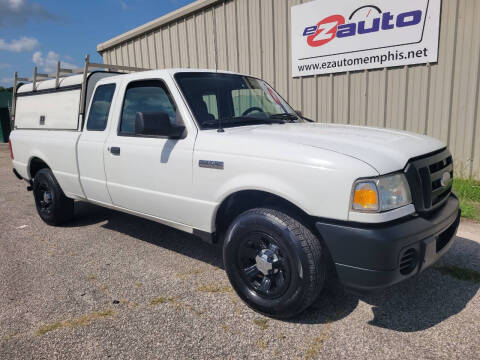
(253, 37)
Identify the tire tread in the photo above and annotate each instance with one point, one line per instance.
(64, 212)
(312, 249)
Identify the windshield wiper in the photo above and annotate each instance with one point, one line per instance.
(241, 120)
(291, 117)
(285, 116)
(307, 119)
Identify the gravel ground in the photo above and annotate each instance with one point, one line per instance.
(112, 285)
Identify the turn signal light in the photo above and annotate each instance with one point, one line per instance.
(365, 197)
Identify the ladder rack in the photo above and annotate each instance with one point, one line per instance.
(62, 73)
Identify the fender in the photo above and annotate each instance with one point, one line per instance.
(259, 182)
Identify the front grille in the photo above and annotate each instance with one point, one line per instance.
(408, 261)
(425, 175)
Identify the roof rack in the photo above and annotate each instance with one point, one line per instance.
(62, 72)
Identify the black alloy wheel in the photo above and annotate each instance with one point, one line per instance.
(274, 262)
(265, 267)
(43, 197)
(53, 206)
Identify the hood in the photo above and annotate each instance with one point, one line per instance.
(383, 149)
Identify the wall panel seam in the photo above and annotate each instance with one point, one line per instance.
(385, 97)
(427, 110)
(452, 79)
(365, 97)
(235, 3)
(405, 102)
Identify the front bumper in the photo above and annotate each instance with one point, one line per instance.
(373, 256)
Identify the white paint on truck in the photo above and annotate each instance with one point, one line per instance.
(312, 165)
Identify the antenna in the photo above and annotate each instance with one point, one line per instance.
(220, 127)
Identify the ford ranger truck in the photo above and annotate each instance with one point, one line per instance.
(223, 156)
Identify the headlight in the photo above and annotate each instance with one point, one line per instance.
(381, 194)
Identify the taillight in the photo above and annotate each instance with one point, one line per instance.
(10, 146)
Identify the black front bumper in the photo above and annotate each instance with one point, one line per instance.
(373, 256)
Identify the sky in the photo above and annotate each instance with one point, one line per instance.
(42, 32)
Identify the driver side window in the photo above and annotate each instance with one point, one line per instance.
(148, 96)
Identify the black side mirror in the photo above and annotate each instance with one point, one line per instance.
(157, 124)
(299, 113)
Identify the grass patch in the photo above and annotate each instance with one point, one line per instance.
(467, 189)
(194, 271)
(468, 192)
(80, 321)
(315, 347)
(317, 343)
(470, 210)
(262, 344)
(215, 289)
(160, 300)
(261, 323)
(461, 273)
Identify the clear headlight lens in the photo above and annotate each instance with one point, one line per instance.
(381, 194)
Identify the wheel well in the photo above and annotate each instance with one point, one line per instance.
(36, 164)
(242, 201)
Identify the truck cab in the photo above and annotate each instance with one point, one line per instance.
(223, 156)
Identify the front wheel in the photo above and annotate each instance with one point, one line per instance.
(52, 205)
(274, 262)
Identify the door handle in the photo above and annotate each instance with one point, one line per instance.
(115, 150)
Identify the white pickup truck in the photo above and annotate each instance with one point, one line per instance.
(222, 156)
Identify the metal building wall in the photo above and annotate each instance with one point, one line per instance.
(253, 37)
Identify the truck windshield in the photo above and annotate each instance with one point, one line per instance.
(228, 100)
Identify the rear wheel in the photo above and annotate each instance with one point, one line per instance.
(274, 262)
(52, 205)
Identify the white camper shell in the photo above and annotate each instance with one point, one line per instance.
(54, 108)
(59, 100)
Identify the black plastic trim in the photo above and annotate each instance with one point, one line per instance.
(19, 177)
(419, 179)
(50, 91)
(205, 236)
(368, 256)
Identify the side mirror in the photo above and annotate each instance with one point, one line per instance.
(157, 124)
(299, 113)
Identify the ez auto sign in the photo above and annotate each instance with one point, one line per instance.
(347, 35)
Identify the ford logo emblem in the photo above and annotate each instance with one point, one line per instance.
(445, 180)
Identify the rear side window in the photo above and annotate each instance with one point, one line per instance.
(100, 108)
(145, 96)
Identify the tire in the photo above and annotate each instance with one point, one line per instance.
(52, 205)
(274, 262)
